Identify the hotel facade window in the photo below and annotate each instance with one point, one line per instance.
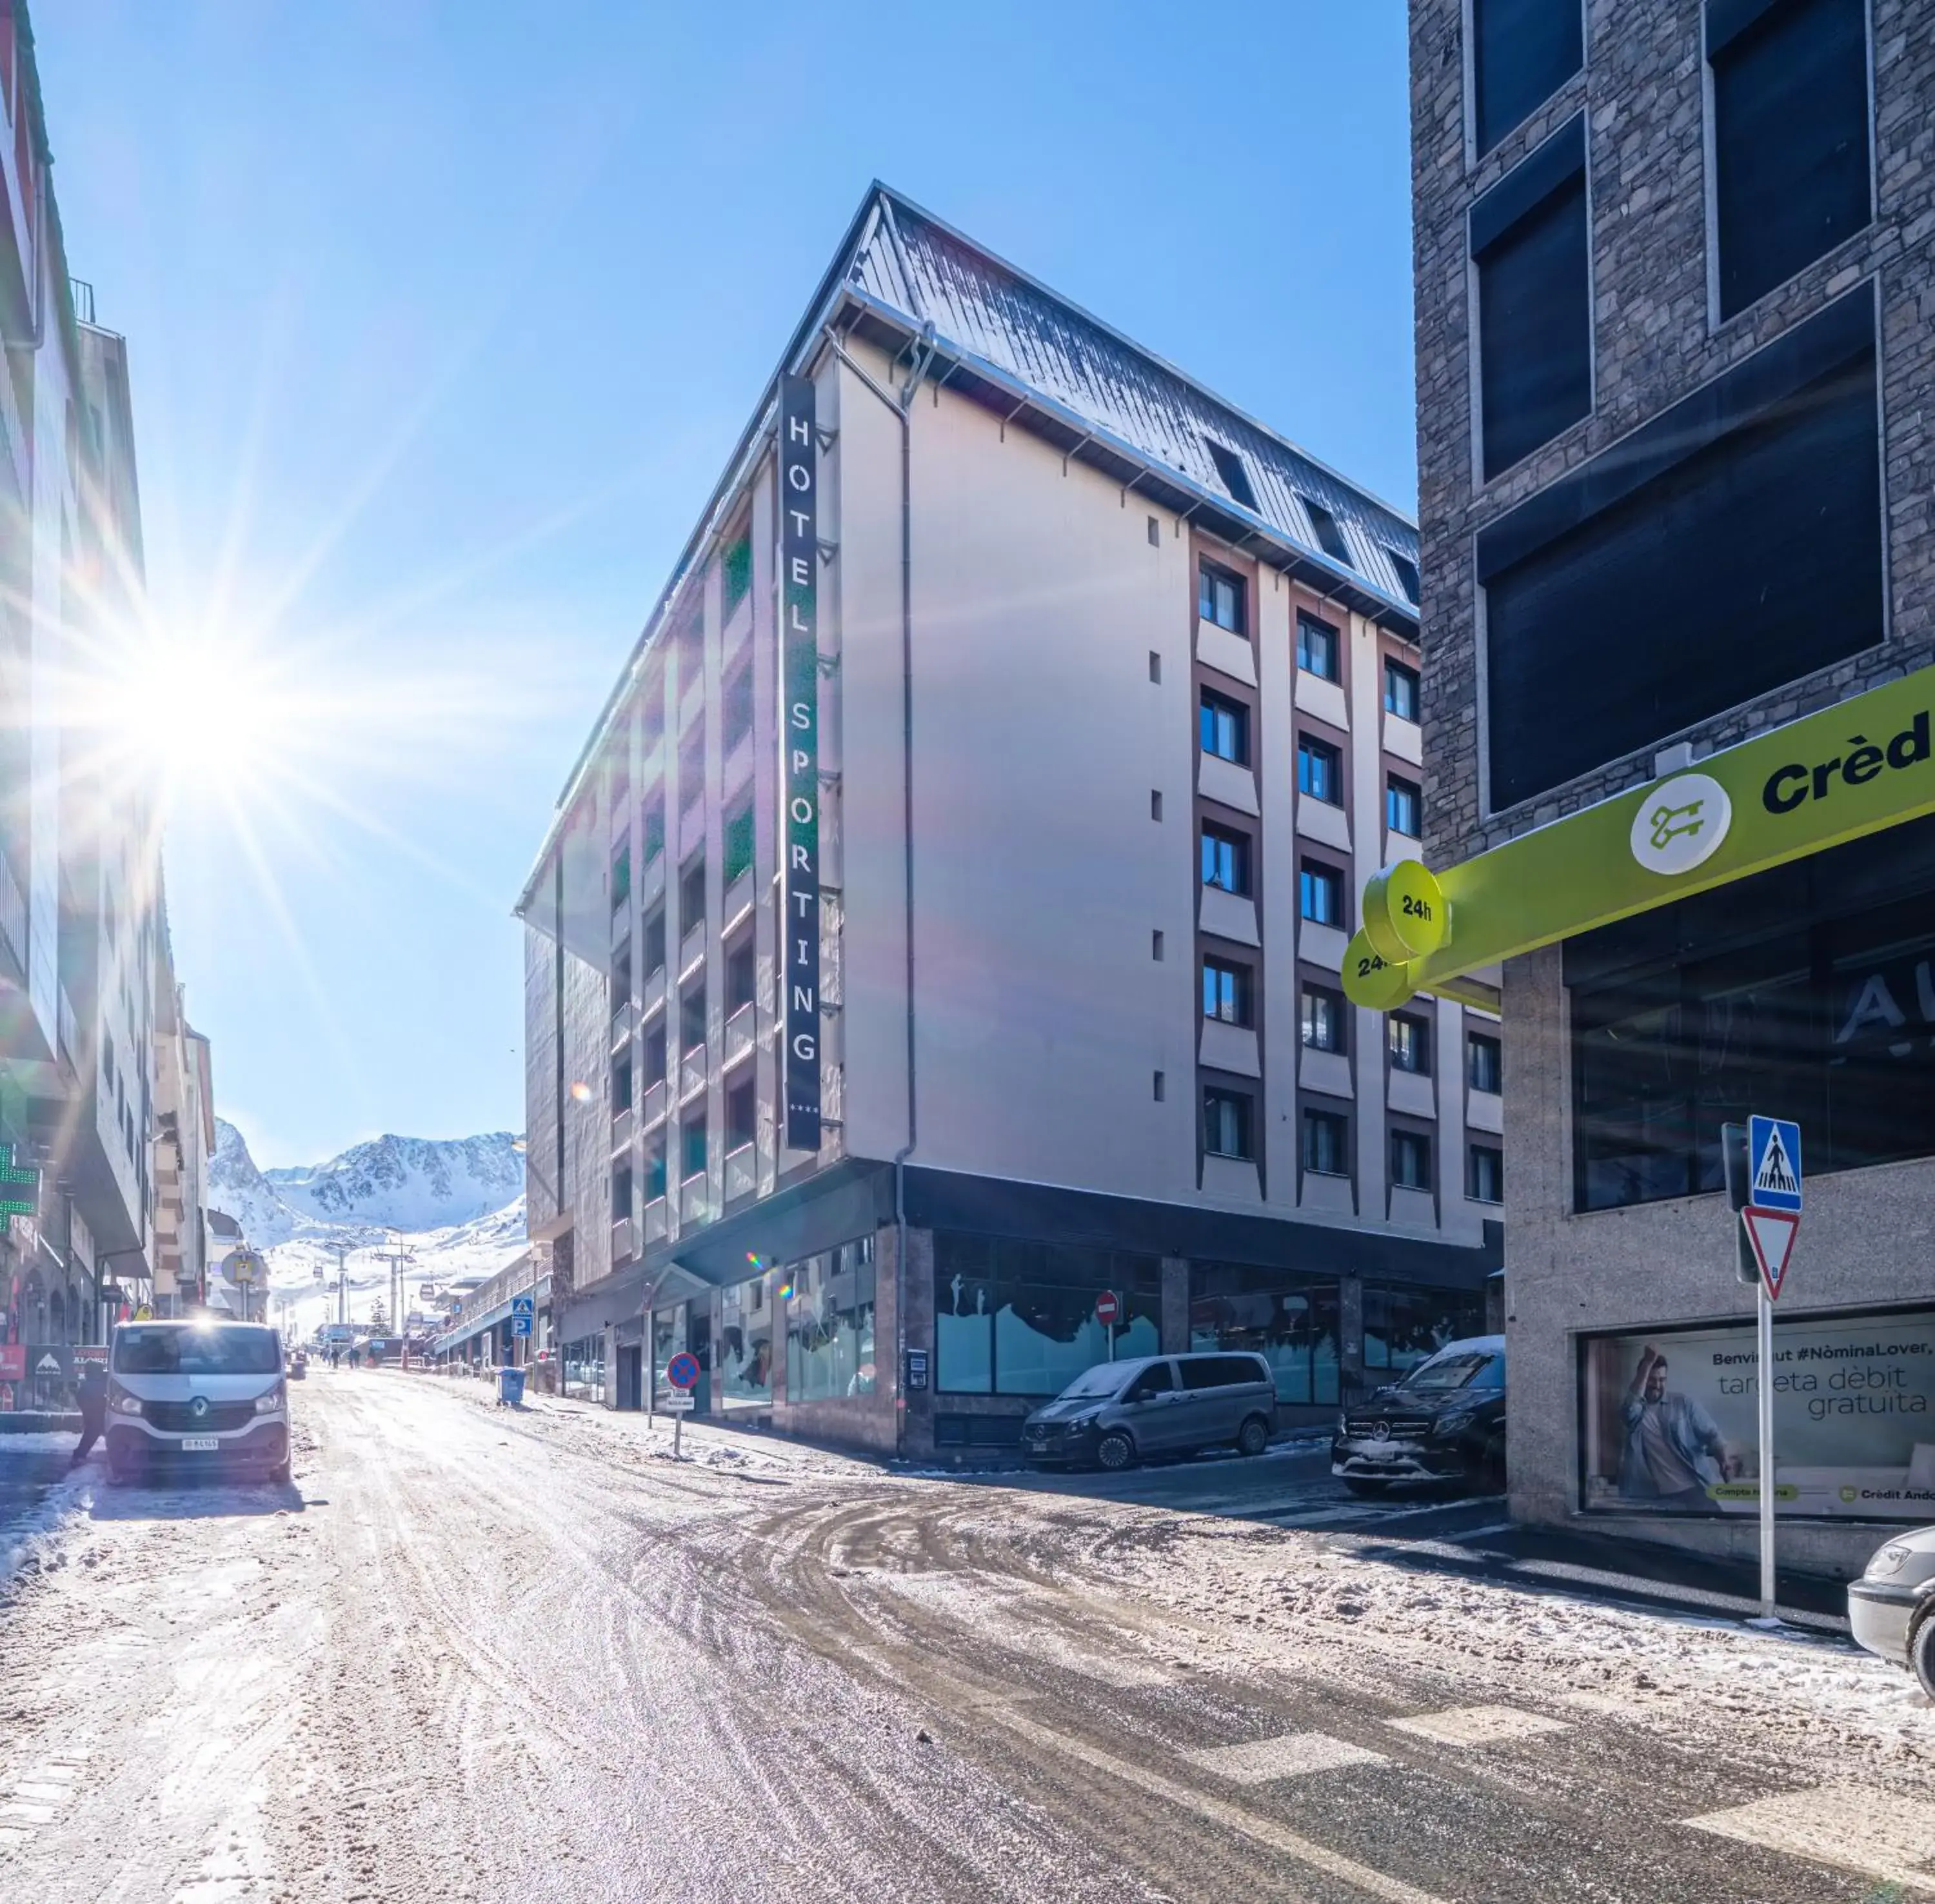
(830, 1348)
(1486, 1176)
(1225, 727)
(1320, 894)
(1220, 598)
(1409, 1038)
(1486, 1062)
(1293, 1322)
(1326, 1143)
(1320, 770)
(1523, 51)
(1226, 859)
(1226, 1117)
(1410, 1160)
(1324, 1019)
(1400, 690)
(1404, 807)
(1226, 991)
(1316, 646)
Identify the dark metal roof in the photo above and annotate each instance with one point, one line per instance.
(987, 316)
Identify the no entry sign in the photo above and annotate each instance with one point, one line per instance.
(1107, 1308)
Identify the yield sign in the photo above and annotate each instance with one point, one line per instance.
(1771, 1233)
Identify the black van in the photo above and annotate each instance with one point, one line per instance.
(1117, 1412)
(1445, 1421)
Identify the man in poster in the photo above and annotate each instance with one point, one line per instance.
(1674, 1451)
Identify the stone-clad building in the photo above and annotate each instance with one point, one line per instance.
(1675, 270)
(1073, 714)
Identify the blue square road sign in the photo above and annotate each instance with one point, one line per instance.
(1774, 1163)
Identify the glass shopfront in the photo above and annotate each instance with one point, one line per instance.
(830, 1323)
(744, 1356)
(1291, 1321)
(584, 1365)
(1403, 1326)
(1015, 1318)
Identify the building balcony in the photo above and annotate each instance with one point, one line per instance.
(652, 1106)
(691, 1072)
(624, 1241)
(623, 1123)
(739, 900)
(742, 1175)
(655, 1221)
(691, 948)
(623, 1021)
(695, 1202)
(739, 1034)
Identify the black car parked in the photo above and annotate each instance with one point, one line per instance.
(1445, 1421)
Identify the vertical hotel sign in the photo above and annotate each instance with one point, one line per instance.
(799, 678)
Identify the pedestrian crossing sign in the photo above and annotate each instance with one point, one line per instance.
(1774, 1163)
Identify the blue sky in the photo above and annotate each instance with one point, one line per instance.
(442, 319)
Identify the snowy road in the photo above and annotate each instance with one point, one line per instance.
(468, 1655)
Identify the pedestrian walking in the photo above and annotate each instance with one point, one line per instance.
(91, 1390)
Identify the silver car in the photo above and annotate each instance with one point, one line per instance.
(1115, 1414)
(1892, 1607)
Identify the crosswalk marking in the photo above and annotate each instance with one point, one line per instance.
(1477, 1725)
(1289, 1757)
(1878, 1833)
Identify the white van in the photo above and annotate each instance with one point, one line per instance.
(196, 1395)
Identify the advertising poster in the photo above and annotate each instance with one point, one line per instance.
(1670, 1419)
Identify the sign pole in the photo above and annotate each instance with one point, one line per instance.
(1765, 1306)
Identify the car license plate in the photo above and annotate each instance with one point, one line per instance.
(199, 1443)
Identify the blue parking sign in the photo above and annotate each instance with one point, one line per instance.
(1774, 1163)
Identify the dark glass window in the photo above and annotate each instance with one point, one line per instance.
(1320, 894)
(1229, 467)
(1319, 769)
(621, 1086)
(1486, 1182)
(1400, 690)
(1225, 991)
(691, 893)
(1226, 859)
(652, 841)
(1404, 807)
(1018, 1318)
(653, 941)
(1323, 1020)
(1410, 1160)
(654, 1071)
(1225, 727)
(1291, 1321)
(621, 875)
(735, 572)
(1316, 647)
(692, 764)
(692, 1017)
(736, 709)
(693, 1146)
(1409, 1038)
(737, 843)
(740, 969)
(1219, 598)
(1226, 1122)
(1680, 566)
(1324, 526)
(1407, 575)
(741, 1113)
(621, 1192)
(1487, 1062)
(1534, 324)
(655, 1166)
(1790, 142)
(1326, 1143)
(1523, 51)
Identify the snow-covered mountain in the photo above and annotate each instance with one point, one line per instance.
(407, 1183)
(455, 1206)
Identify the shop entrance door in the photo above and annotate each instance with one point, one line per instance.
(632, 1377)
